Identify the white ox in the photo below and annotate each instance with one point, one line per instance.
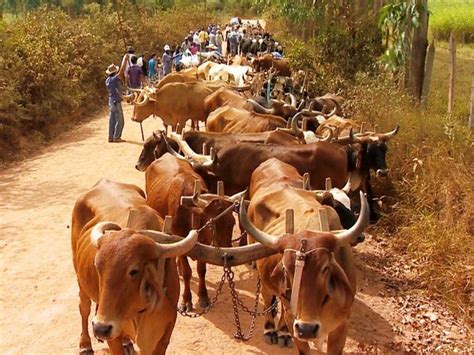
(235, 75)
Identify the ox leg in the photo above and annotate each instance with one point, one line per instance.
(303, 347)
(284, 335)
(270, 334)
(116, 347)
(337, 339)
(85, 345)
(186, 302)
(164, 341)
(202, 293)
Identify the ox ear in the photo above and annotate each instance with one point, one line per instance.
(278, 278)
(338, 286)
(99, 230)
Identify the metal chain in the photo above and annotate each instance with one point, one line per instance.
(213, 301)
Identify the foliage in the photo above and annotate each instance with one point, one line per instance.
(430, 186)
(397, 21)
(52, 65)
(452, 15)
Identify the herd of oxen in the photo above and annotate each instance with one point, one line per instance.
(276, 149)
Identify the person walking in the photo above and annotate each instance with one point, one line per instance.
(219, 41)
(126, 63)
(167, 60)
(203, 37)
(135, 75)
(116, 121)
(152, 67)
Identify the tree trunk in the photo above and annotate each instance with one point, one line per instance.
(418, 52)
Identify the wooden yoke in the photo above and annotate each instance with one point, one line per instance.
(220, 188)
(323, 220)
(306, 180)
(328, 184)
(290, 221)
(167, 224)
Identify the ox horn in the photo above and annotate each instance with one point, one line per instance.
(178, 248)
(186, 149)
(145, 100)
(99, 230)
(259, 108)
(292, 99)
(387, 136)
(330, 114)
(347, 186)
(329, 136)
(266, 239)
(350, 236)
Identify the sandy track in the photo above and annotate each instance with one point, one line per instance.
(38, 292)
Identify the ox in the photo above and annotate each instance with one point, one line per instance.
(313, 273)
(156, 145)
(234, 164)
(132, 279)
(184, 76)
(167, 180)
(223, 97)
(234, 120)
(175, 103)
(266, 62)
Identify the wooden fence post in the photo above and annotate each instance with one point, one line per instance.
(428, 72)
(471, 113)
(452, 71)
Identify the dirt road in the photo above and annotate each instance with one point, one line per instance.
(39, 295)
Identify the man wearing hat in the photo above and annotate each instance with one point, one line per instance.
(116, 120)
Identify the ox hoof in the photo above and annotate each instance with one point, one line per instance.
(86, 351)
(128, 348)
(285, 341)
(204, 302)
(271, 337)
(186, 307)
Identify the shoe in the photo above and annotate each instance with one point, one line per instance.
(119, 140)
(111, 140)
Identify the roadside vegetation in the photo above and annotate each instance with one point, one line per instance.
(52, 74)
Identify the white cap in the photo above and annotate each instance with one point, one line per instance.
(167, 48)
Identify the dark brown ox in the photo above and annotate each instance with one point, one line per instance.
(175, 103)
(234, 164)
(167, 180)
(267, 62)
(155, 146)
(234, 120)
(313, 273)
(132, 279)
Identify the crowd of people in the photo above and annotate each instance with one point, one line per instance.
(139, 69)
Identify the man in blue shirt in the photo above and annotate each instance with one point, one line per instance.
(167, 60)
(152, 67)
(116, 120)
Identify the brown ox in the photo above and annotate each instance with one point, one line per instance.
(167, 180)
(175, 103)
(155, 146)
(234, 164)
(316, 285)
(132, 279)
(233, 120)
(223, 97)
(267, 62)
(179, 77)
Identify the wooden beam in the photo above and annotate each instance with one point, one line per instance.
(328, 184)
(220, 188)
(167, 224)
(290, 221)
(306, 181)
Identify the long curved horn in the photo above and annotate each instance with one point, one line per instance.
(186, 149)
(350, 236)
(178, 248)
(301, 105)
(329, 136)
(332, 113)
(292, 99)
(347, 186)
(294, 125)
(145, 100)
(232, 256)
(266, 239)
(99, 230)
(259, 108)
(387, 136)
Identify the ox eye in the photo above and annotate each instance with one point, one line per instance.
(325, 300)
(134, 273)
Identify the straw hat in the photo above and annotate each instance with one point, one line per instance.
(111, 69)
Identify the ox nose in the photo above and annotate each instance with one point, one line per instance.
(382, 172)
(102, 330)
(136, 167)
(306, 330)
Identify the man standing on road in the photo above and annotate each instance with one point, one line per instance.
(116, 120)
(135, 75)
